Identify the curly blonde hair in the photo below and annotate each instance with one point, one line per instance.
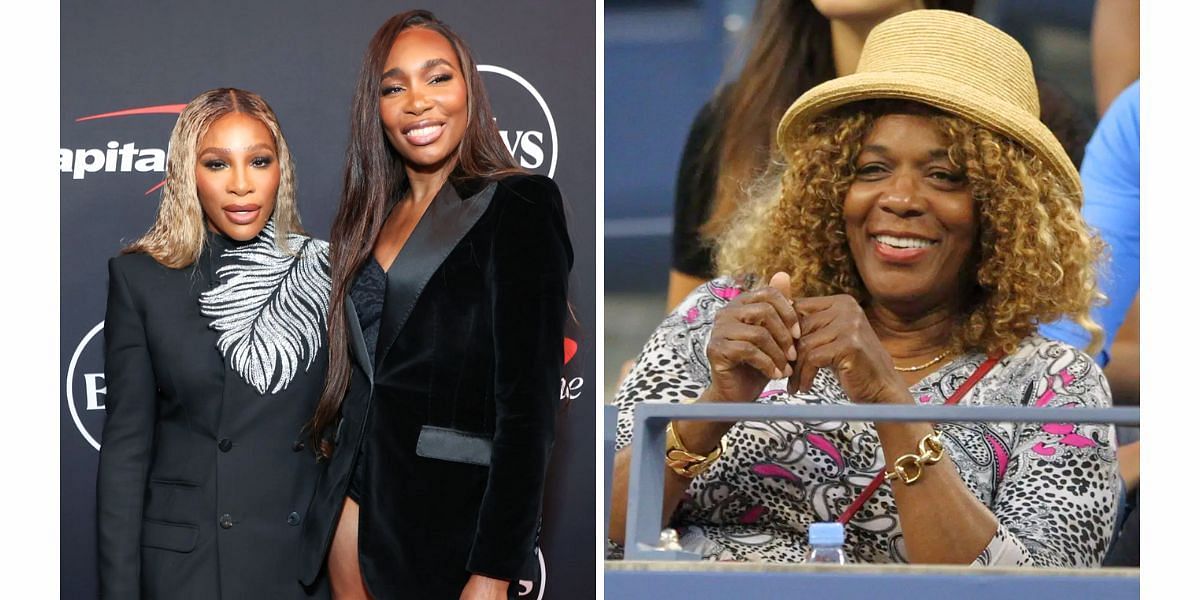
(1036, 256)
(177, 236)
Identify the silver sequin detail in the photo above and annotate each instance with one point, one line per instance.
(271, 308)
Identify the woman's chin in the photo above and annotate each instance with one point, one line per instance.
(237, 232)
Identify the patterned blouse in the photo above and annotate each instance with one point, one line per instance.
(1052, 486)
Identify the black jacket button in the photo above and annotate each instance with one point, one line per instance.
(294, 519)
(297, 446)
(226, 521)
(225, 444)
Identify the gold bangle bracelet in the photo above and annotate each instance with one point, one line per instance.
(685, 462)
(910, 467)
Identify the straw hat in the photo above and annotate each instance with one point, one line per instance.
(948, 60)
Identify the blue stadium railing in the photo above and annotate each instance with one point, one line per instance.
(649, 572)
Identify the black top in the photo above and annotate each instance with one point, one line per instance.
(695, 186)
(696, 183)
(367, 294)
(204, 479)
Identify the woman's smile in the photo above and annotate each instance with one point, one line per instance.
(423, 133)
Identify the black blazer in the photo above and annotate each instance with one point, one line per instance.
(203, 482)
(454, 418)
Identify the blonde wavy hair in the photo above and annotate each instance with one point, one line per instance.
(177, 236)
(1035, 257)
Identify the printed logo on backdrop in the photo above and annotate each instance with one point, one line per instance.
(522, 115)
(523, 118)
(85, 386)
(118, 155)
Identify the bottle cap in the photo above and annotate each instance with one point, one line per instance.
(826, 534)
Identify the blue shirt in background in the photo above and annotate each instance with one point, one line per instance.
(1112, 183)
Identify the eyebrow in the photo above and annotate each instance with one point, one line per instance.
(253, 148)
(429, 64)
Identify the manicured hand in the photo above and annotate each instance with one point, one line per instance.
(835, 334)
(752, 342)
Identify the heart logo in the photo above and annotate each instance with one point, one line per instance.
(569, 348)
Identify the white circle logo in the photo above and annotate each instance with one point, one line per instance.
(87, 406)
(525, 587)
(529, 133)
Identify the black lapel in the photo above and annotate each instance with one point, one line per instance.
(358, 345)
(439, 231)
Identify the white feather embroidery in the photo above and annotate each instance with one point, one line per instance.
(271, 310)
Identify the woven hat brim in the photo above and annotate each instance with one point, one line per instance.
(940, 92)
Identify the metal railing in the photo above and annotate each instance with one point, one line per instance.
(644, 504)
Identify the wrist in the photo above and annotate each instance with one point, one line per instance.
(896, 393)
(700, 437)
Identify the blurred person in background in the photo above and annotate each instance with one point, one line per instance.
(1111, 177)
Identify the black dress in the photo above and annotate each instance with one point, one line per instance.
(448, 423)
(205, 474)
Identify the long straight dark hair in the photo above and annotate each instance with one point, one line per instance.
(375, 175)
(792, 51)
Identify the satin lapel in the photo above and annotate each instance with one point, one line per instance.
(438, 232)
(358, 344)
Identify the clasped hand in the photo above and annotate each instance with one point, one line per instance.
(765, 334)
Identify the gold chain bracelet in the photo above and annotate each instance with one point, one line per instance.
(685, 462)
(908, 468)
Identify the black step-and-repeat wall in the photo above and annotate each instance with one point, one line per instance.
(129, 66)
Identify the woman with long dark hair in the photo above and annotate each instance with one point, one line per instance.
(449, 268)
(214, 359)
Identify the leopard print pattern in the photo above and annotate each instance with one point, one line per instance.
(1052, 487)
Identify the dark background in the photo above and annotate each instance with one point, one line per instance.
(303, 58)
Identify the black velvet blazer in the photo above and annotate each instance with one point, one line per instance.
(454, 417)
(203, 481)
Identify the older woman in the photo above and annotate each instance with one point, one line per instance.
(925, 224)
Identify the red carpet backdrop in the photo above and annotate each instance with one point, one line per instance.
(128, 67)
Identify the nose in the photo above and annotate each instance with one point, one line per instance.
(418, 102)
(240, 183)
(903, 197)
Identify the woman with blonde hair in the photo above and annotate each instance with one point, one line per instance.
(214, 360)
(925, 223)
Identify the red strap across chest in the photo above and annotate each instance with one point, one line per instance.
(962, 390)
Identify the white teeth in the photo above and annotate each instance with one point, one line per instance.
(424, 131)
(898, 242)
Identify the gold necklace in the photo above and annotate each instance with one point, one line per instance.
(932, 362)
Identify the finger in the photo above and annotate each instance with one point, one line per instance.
(793, 384)
(817, 320)
(781, 302)
(782, 282)
(766, 314)
(741, 352)
(809, 360)
(807, 306)
(806, 373)
(765, 342)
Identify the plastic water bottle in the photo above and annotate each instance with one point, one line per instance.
(825, 544)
